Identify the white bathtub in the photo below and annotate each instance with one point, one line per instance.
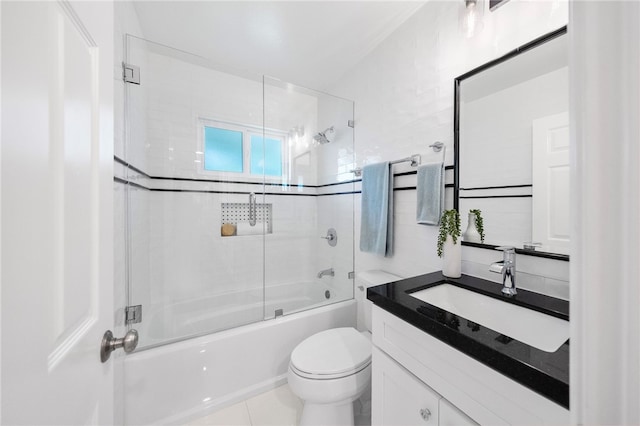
(175, 383)
(206, 315)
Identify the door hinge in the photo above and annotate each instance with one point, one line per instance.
(133, 314)
(130, 73)
(351, 123)
(351, 275)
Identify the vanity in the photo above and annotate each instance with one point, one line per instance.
(459, 351)
(436, 367)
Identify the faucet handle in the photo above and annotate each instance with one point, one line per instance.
(530, 245)
(508, 254)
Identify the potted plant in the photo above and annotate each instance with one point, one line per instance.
(475, 228)
(449, 247)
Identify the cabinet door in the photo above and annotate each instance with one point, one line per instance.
(451, 416)
(398, 397)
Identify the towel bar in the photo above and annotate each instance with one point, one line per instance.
(415, 159)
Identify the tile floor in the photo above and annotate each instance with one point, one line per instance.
(276, 407)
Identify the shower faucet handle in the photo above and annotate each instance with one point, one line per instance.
(331, 237)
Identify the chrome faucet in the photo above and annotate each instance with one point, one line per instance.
(506, 267)
(324, 272)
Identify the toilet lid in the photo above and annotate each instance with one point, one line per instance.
(332, 352)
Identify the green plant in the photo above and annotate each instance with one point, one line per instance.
(449, 225)
(479, 224)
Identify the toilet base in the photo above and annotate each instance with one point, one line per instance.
(327, 414)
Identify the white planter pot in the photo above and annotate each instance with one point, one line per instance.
(471, 234)
(451, 258)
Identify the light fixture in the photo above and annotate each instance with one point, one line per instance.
(470, 17)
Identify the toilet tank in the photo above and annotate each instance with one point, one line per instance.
(365, 280)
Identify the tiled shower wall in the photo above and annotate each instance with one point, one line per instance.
(177, 252)
(403, 92)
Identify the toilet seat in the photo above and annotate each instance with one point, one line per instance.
(331, 354)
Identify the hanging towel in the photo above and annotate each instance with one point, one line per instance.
(376, 225)
(430, 189)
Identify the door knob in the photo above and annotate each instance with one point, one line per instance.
(110, 343)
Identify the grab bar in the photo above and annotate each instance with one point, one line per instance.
(252, 209)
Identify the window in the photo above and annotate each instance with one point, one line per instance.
(242, 149)
(222, 150)
(266, 156)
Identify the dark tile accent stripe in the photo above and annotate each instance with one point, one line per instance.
(338, 193)
(132, 167)
(181, 179)
(497, 187)
(498, 196)
(338, 183)
(201, 191)
(126, 182)
(406, 188)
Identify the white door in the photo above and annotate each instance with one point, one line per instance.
(551, 182)
(57, 231)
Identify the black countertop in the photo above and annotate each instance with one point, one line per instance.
(543, 372)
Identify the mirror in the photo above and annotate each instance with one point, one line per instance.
(511, 131)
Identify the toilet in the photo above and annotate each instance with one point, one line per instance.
(331, 369)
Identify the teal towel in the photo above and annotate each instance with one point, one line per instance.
(430, 189)
(376, 226)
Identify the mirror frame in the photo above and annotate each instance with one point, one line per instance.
(456, 134)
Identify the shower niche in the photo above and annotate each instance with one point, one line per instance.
(245, 219)
(211, 155)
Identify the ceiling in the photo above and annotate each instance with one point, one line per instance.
(309, 43)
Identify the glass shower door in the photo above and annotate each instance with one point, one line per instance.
(195, 219)
(309, 246)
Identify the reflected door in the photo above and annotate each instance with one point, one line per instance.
(551, 183)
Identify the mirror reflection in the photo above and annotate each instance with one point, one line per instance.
(513, 147)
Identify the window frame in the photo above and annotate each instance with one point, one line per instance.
(247, 131)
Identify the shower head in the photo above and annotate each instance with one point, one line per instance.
(322, 137)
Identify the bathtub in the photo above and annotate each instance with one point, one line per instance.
(196, 317)
(178, 382)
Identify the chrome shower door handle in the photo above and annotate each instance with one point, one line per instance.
(110, 343)
(252, 209)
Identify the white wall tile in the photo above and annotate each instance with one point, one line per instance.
(403, 92)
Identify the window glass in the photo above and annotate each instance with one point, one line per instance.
(222, 150)
(266, 156)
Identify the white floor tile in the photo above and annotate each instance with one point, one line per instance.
(276, 407)
(236, 415)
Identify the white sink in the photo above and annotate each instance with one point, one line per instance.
(534, 328)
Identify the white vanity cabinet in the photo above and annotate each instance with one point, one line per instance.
(405, 400)
(414, 372)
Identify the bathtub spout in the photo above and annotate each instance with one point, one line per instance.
(324, 272)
